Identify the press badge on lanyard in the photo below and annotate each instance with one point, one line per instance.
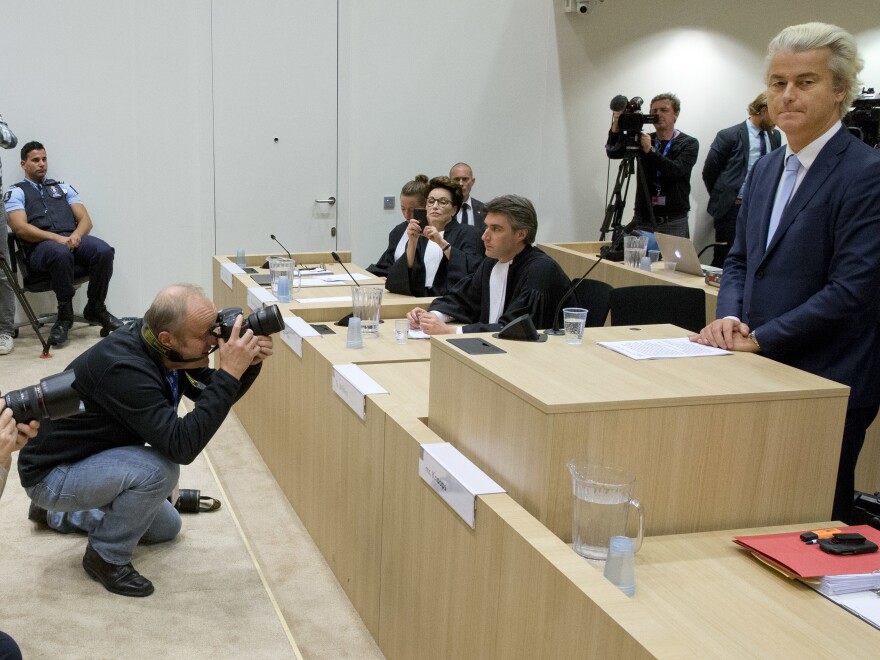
(658, 199)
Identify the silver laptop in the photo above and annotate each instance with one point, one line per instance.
(682, 251)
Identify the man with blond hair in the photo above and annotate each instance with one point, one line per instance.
(801, 280)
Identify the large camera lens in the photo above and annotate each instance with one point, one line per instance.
(263, 322)
(53, 398)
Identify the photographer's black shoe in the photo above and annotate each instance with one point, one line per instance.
(98, 315)
(37, 514)
(123, 580)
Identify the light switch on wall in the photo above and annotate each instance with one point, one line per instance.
(389, 203)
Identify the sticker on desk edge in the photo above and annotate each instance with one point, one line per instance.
(293, 332)
(353, 385)
(257, 296)
(455, 478)
(227, 270)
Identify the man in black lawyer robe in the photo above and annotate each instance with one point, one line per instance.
(514, 279)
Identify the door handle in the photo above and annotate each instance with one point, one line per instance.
(330, 200)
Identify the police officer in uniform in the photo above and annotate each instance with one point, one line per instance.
(52, 226)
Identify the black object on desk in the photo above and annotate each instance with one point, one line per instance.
(476, 346)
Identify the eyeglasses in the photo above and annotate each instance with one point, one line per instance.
(443, 202)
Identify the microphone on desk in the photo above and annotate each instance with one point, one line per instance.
(339, 261)
(345, 319)
(555, 331)
(272, 236)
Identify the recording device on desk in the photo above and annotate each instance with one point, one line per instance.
(53, 398)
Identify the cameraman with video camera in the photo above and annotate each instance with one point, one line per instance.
(666, 158)
(109, 471)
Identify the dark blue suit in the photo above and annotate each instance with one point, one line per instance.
(812, 295)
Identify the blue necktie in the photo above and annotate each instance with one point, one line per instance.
(763, 140)
(783, 194)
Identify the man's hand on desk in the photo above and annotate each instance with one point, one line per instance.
(729, 334)
(429, 323)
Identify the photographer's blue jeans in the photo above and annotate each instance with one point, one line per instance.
(118, 497)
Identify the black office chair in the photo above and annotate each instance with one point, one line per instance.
(683, 306)
(23, 281)
(595, 296)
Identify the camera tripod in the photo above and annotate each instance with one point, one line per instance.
(614, 210)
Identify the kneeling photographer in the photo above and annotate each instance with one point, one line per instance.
(109, 471)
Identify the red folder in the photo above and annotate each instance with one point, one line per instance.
(792, 555)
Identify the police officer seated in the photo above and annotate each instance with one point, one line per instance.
(53, 229)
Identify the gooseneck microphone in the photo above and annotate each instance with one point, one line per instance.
(339, 261)
(555, 331)
(272, 236)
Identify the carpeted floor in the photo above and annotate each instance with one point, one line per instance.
(242, 581)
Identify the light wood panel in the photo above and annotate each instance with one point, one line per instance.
(694, 431)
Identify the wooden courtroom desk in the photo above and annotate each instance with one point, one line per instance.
(393, 305)
(715, 443)
(326, 459)
(576, 258)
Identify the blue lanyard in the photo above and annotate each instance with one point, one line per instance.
(666, 149)
(173, 383)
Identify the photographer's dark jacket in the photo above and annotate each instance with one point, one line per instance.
(128, 401)
(666, 175)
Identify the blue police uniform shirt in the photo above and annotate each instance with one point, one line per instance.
(15, 197)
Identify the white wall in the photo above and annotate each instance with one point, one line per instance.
(120, 93)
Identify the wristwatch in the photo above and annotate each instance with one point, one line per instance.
(755, 340)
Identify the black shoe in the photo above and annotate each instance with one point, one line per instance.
(58, 333)
(64, 322)
(98, 315)
(37, 514)
(122, 580)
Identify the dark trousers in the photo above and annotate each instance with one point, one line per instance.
(857, 422)
(725, 232)
(58, 262)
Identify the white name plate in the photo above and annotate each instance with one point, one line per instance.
(294, 331)
(257, 296)
(454, 478)
(353, 385)
(227, 270)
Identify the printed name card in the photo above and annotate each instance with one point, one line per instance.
(353, 385)
(257, 296)
(454, 478)
(294, 331)
(227, 270)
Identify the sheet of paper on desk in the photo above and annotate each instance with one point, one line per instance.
(418, 334)
(864, 604)
(662, 349)
(343, 278)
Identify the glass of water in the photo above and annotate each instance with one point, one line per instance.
(574, 319)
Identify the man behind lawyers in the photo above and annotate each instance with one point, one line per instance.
(666, 158)
(53, 228)
(108, 471)
(801, 281)
(514, 278)
(472, 211)
(732, 156)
